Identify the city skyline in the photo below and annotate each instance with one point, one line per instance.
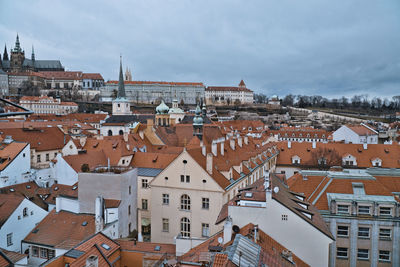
(325, 48)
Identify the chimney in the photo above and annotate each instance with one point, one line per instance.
(267, 186)
(289, 144)
(150, 123)
(246, 140)
(99, 213)
(126, 135)
(209, 164)
(222, 148)
(141, 134)
(240, 140)
(232, 143)
(203, 150)
(214, 148)
(227, 230)
(255, 233)
(314, 144)
(365, 146)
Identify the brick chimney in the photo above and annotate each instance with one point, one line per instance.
(222, 148)
(240, 141)
(246, 140)
(209, 163)
(232, 143)
(214, 148)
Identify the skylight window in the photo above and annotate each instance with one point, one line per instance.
(105, 246)
(157, 248)
(248, 194)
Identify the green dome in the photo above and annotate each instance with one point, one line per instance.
(162, 108)
(198, 120)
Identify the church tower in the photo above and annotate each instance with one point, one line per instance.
(121, 105)
(198, 124)
(17, 57)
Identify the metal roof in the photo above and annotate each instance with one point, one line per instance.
(150, 172)
(74, 253)
(245, 251)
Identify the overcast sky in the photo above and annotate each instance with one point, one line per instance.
(330, 48)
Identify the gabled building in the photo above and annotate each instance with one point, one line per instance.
(229, 94)
(283, 215)
(18, 216)
(14, 162)
(356, 134)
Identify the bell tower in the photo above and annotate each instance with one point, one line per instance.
(121, 105)
(17, 57)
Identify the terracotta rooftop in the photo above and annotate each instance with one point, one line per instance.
(361, 130)
(228, 88)
(8, 152)
(160, 82)
(62, 230)
(8, 203)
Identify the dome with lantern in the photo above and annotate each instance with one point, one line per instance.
(162, 108)
(198, 120)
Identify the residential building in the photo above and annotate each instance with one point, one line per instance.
(356, 134)
(57, 233)
(229, 95)
(283, 215)
(152, 92)
(18, 216)
(48, 105)
(116, 184)
(295, 156)
(300, 134)
(15, 162)
(361, 208)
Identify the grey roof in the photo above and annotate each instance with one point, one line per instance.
(74, 253)
(188, 119)
(129, 118)
(149, 172)
(2, 72)
(246, 250)
(363, 198)
(43, 64)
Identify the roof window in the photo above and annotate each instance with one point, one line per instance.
(157, 248)
(248, 194)
(105, 246)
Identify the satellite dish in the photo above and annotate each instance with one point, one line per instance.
(276, 189)
(220, 240)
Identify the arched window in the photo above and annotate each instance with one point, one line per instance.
(185, 202)
(109, 133)
(159, 121)
(121, 132)
(25, 212)
(164, 122)
(185, 227)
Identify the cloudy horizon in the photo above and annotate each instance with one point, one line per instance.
(320, 48)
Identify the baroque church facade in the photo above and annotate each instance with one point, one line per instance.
(17, 62)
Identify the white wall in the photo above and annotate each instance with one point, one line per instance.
(18, 170)
(289, 171)
(67, 204)
(20, 228)
(297, 235)
(63, 172)
(70, 148)
(345, 134)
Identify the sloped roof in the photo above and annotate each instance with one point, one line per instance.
(8, 204)
(62, 230)
(159, 83)
(93, 158)
(8, 152)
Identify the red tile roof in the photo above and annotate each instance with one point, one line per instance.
(8, 152)
(8, 204)
(162, 83)
(228, 88)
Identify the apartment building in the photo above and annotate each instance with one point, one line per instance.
(362, 211)
(229, 94)
(48, 105)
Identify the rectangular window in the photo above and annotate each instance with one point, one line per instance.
(129, 210)
(144, 204)
(362, 254)
(385, 211)
(35, 251)
(43, 253)
(205, 229)
(182, 178)
(205, 203)
(364, 210)
(38, 158)
(384, 255)
(284, 217)
(165, 199)
(342, 231)
(342, 253)
(145, 183)
(51, 253)
(187, 178)
(130, 190)
(385, 233)
(363, 232)
(47, 157)
(165, 225)
(343, 209)
(9, 239)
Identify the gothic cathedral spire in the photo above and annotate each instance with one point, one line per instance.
(121, 85)
(5, 54)
(17, 45)
(33, 54)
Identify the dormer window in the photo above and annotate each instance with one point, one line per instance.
(343, 209)
(385, 211)
(377, 162)
(364, 210)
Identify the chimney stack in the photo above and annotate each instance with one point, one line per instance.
(240, 140)
(209, 163)
(232, 143)
(227, 230)
(126, 137)
(99, 216)
(289, 144)
(203, 150)
(365, 146)
(246, 140)
(314, 145)
(222, 148)
(214, 149)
